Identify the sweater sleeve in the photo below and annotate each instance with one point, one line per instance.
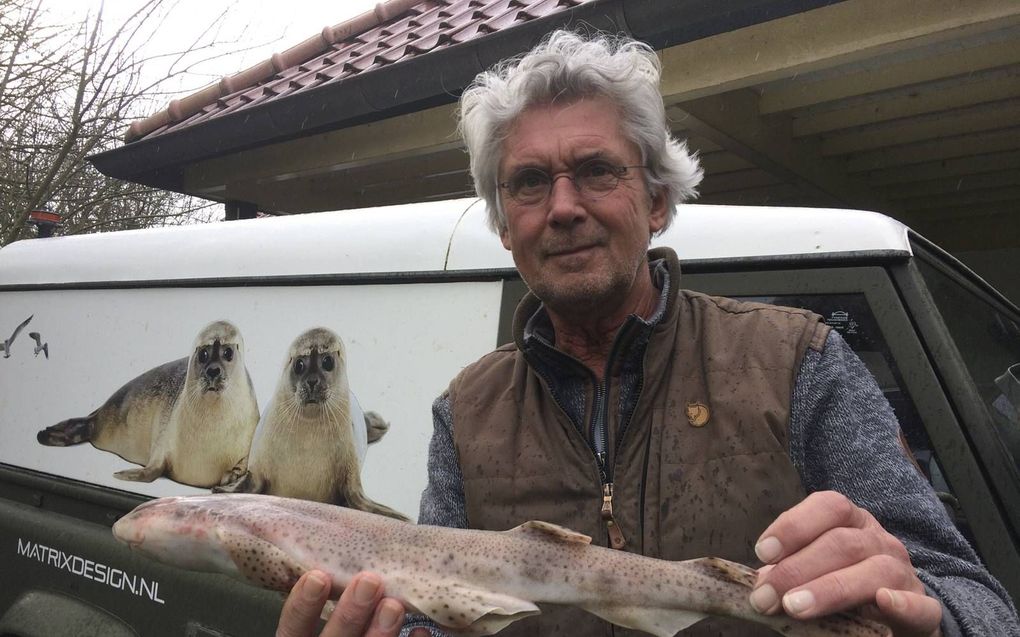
(442, 502)
(844, 437)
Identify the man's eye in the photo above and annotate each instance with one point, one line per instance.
(530, 179)
(596, 169)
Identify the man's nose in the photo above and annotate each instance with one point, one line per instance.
(565, 205)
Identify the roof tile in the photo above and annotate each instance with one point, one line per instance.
(394, 31)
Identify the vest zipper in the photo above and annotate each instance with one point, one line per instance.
(616, 538)
(599, 435)
(600, 441)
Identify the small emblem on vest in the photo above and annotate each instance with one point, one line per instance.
(697, 414)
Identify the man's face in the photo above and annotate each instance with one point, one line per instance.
(576, 253)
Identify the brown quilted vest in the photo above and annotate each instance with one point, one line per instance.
(683, 488)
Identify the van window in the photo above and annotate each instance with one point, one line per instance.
(988, 341)
(852, 317)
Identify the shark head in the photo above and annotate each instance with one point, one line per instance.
(181, 531)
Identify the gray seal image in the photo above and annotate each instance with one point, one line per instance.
(305, 444)
(191, 419)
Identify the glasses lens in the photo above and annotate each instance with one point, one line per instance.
(529, 185)
(597, 178)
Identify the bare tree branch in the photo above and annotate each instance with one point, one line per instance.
(69, 90)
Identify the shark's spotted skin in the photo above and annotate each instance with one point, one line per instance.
(470, 582)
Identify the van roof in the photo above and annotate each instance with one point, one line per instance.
(424, 237)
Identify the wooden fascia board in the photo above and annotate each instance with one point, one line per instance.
(396, 180)
(837, 34)
(423, 132)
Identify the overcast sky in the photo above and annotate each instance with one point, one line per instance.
(270, 25)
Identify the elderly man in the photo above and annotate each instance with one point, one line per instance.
(655, 419)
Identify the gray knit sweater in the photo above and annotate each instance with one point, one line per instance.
(843, 437)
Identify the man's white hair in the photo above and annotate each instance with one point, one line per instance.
(566, 67)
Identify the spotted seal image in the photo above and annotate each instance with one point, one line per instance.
(191, 420)
(304, 446)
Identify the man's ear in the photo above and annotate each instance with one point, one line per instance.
(659, 211)
(504, 237)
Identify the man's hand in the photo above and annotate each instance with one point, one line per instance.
(826, 555)
(361, 612)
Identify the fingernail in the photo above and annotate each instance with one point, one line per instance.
(365, 590)
(799, 602)
(764, 598)
(314, 584)
(768, 549)
(896, 600)
(389, 615)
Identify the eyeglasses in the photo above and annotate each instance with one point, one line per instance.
(594, 179)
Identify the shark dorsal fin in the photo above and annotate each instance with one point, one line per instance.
(552, 531)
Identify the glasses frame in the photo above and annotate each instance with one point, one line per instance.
(620, 172)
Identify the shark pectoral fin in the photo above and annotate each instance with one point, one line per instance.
(661, 622)
(463, 610)
(552, 531)
(259, 561)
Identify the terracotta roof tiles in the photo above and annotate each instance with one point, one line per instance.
(394, 31)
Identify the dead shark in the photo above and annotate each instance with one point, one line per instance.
(469, 582)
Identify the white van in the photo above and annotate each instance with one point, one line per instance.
(416, 292)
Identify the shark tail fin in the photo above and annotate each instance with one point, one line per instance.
(72, 431)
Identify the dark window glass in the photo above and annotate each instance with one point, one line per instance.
(851, 316)
(989, 343)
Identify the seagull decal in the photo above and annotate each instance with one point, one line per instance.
(7, 343)
(39, 345)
